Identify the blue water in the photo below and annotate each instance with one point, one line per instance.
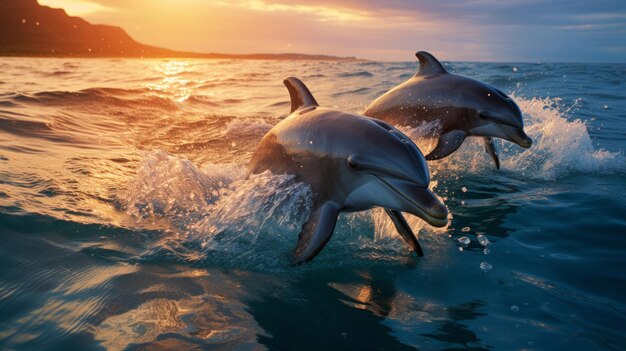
(126, 221)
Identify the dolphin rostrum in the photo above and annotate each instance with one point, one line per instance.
(352, 163)
(462, 106)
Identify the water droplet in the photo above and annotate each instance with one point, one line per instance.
(464, 240)
(514, 69)
(464, 189)
(605, 107)
(460, 248)
(462, 202)
(486, 251)
(465, 229)
(485, 267)
(514, 308)
(482, 240)
(310, 141)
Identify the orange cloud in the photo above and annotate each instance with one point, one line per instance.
(76, 7)
(323, 13)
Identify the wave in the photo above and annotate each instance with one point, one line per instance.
(316, 75)
(110, 98)
(354, 91)
(403, 67)
(241, 126)
(356, 74)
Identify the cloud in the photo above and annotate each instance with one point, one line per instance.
(324, 13)
(491, 30)
(76, 7)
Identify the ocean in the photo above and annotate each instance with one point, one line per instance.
(127, 220)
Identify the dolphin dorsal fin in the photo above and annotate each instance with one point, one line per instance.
(299, 94)
(429, 64)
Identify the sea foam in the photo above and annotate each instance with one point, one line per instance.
(561, 146)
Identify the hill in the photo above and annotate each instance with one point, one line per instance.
(29, 29)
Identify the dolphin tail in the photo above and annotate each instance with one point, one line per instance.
(448, 143)
(491, 150)
(299, 94)
(402, 226)
(316, 232)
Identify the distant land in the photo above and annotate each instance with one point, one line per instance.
(29, 29)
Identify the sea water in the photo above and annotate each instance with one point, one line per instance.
(127, 220)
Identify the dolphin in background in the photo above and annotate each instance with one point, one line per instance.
(462, 106)
(352, 163)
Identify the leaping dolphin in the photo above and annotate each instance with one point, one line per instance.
(352, 163)
(463, 106)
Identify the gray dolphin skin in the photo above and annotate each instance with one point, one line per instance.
(352, 163)
(463, 106)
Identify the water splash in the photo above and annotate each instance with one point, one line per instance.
(561, 146)
(173, 187)
(215, 216)
(216, 212)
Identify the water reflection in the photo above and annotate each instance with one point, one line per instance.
(454, 332)
(314, 315)
(177, 309)
(172, 85)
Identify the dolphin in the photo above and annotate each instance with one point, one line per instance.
(352, 163)
(462, 106)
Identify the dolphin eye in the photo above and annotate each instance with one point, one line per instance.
(352, 164)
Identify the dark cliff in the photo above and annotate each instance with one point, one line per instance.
(29, 29)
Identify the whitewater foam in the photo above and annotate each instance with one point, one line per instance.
(561, 143)
(217, 210)
(561, 146)
(241, 126)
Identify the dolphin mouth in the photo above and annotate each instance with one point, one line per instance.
(423, 203)
(515, 135)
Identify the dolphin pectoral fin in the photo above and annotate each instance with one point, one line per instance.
(448, 143)
(316, 232)
(491, 150)
(402, 226)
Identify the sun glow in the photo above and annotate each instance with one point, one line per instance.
(323, 13)
(172, 86)
(75, 7)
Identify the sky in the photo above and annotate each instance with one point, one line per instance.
(391, 30)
